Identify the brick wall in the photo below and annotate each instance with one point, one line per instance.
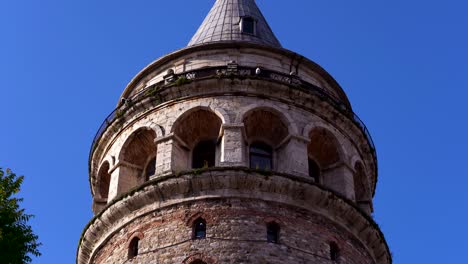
(236, 233)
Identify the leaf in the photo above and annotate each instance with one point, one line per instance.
(17, 240)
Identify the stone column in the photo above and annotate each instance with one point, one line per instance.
(124, 176)
(164, 155)
(340, 178)
(233, 146)
(180, 156)
(291, 156)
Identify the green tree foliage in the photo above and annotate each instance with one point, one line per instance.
(17, 240)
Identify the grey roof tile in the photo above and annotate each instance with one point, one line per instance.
(222, 24)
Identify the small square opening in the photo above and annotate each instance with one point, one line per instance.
(248, 25)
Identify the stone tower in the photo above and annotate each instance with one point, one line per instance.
(233, 150)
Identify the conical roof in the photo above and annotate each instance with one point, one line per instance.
(223, 23)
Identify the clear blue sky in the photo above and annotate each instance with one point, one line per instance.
(403, 63)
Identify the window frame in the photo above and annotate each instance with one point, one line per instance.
(267, 148)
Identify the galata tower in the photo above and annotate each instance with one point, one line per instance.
(233, 150)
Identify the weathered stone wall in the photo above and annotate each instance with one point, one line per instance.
(287, 199)
(236, 202)
(290, 155)
(247, 55)
(236, 233)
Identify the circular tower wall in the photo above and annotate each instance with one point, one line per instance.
(233, 152)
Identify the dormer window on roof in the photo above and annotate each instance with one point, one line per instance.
(247, 25)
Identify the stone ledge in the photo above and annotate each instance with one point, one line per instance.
(238, 182)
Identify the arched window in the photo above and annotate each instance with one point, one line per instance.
(265, 131)
(197, 132)
(204, 154)
(133, 248)
(261, 156)
(314, 170)
(334, 251)
(273, 230)
(150, 168)
(199, 229)
(104, 180)
(135, 153)
(325, 150)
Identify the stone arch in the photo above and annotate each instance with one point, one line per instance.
(158, 129)
(362, 188)
(266, 130)
(324, 147)
(138, 146)
(326, 151)
(222, 115)
(134, 158)
(199, 258)
(312, 126)
(269, 219)
(219, 112)
(190, 220)
(197, 134)
(283, 115)
(133, 244)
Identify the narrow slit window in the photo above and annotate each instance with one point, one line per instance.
(273, 230)
(334, 251)
(248, 25)
(133, 248)
(199, 229)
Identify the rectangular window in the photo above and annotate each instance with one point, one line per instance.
(248, 25)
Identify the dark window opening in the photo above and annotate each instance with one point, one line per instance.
(314, 170)
(105, 178)
(199, 229)
(198, 262)
(248, 25)
(261, 156)
(334, 251)
(133, 248)
(150, 168)
(273, 232)
(204, 155)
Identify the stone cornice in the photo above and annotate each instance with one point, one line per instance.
(237, 182)
(295, 60)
